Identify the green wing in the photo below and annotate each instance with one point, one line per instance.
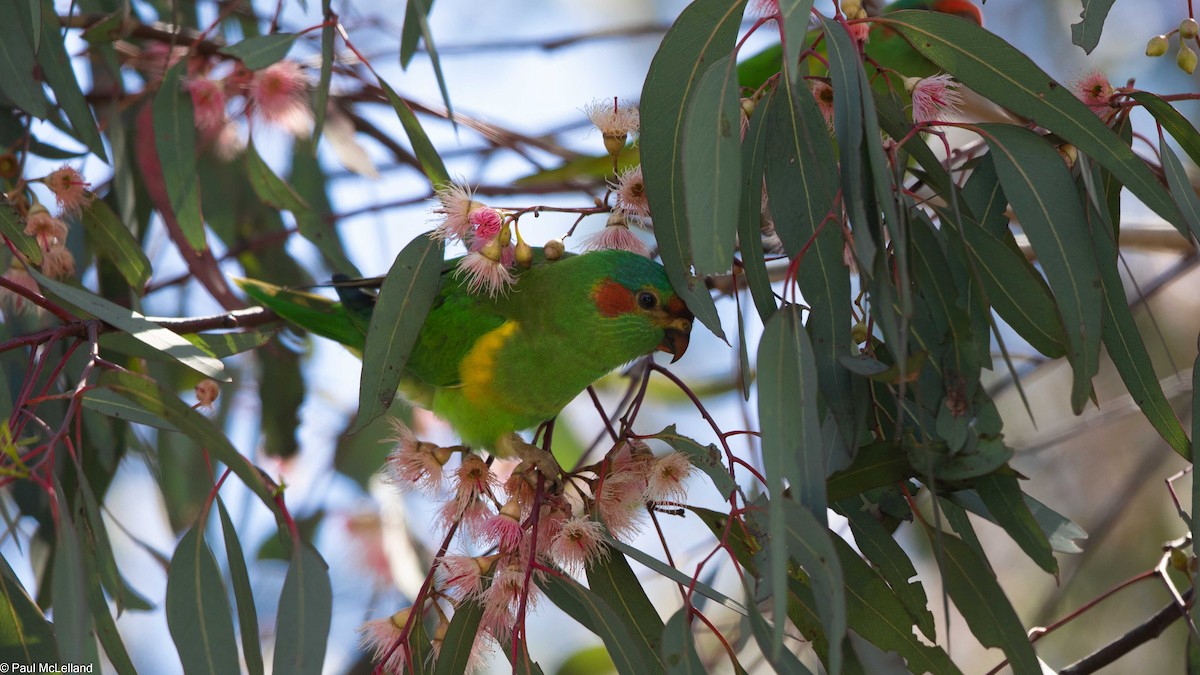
(456, 320)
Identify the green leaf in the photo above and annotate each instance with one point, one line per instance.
(875, 465)
(427, 155)
(271, 189)
(679, 577)
(712, 165)
(459, 642)
(138, 326)
(1004, 498)
(703, 34)
(115, 242)
(72, 621)
(410, 33)
(60, 75)
(18, 70)
(750, 221)
(877, 614)
(1121, 336)
(421, 16)
(705, 458)
(309, 311)
(175, 140)
(612, 579)
(630, 656)
(305, 611)
(198, 613)
(1047, 204)
(405, 298)
(25, 635)
(1181, 187)
(783, 660)
(811, 546)
(973, 588)
(155, 400)
(261, 51)
(114, 405)
(788, 410)
(105, 626)
(12, 226)
(310, 181)
(1086, 33)
(321, 94)
(989, 65)
(243, 594)
(1173, 121)
(791, 437)
(891, 563)
(679, 647)
(794, 16)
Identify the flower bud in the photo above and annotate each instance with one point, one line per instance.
(1188, 28)
(1157, 46)
(615, 143)
(505, 236)
(850, 7)
(553, 249)
(524, 254)
(492, 250)
(859, 333)
(1186, 59)
(748, 105)
(1069, 154)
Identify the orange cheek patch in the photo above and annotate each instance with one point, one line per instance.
(613, 299)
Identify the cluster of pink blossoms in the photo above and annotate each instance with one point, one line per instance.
(276, 95)
(50, 232)
(488, 235)
(567, 532)
(617, 123)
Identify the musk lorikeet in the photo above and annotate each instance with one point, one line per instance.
(491, 366)
(890, 50)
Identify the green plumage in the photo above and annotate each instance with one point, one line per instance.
(492, 366)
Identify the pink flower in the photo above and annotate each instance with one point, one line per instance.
(462, 576)
(58, 263)
(504, 528)
(415, 464)
(46, 229)
(486, 274)
(380, 637)
(620, 503)
(631, 193)
(69, 188)
(456, 206)
(615, 122)
(667, 476)
(616, 235)
(503, 597)
(208, 104)
(824, 94)
(11, 301)
(613, 118)
(934, 98)
(279, 94)
(764, 8)
(1095, 91)
(487, 222)
(579, 543)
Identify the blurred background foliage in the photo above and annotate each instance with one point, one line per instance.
(109, 472)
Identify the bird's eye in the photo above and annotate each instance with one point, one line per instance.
(647, 300)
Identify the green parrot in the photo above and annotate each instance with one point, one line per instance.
(492, 366)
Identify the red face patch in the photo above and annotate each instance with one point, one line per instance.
(613, 299)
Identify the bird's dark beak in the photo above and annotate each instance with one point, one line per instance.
(675, 341)
(676, 329)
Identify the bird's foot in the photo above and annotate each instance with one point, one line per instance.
(540, 459)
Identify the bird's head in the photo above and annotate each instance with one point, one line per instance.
(634, 294)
